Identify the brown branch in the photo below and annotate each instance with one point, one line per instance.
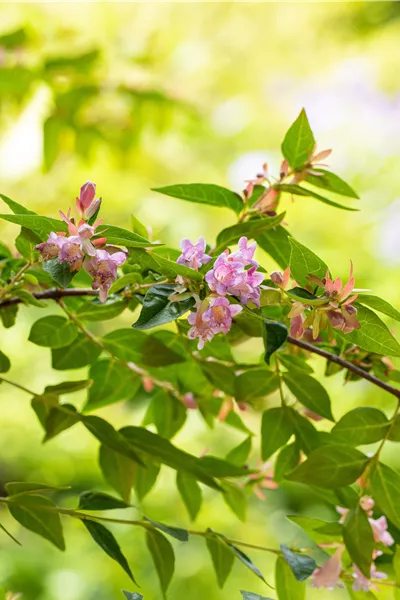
(346, 364)
(57, 293)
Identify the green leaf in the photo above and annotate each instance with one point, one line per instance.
(98, 311)
(251, 596)
(42, 226)
(302, 566)
(204, 193)
(373, 335)
(297, 190)
(151, 261)
(190, 492)
(162, 450)
(330, 467)
(163, 557)
(235, 498)
(240, 454)
(175, 532)
(25, 244)
(122, 237)
(80, 353)
(255, 383)
(303, 262)
(304, 430)
(251, 229)
(217, 467)
(58, 420)
(5, 364)
(118, 471)
(3, 596)
(132, 595)
(107, 542)
(138, 227)
(380, 305)
(68, 387)
(16, 208)
(106, 434)
(287, 460)
(331, 182)
(276, 429)
(124, 281)
(275, 334)
(157, 309)
(385, 488)
(60, 271)
(222, 557)
(310, 393)
(362, 425)
(169, 413)
(145, 478)
(359, 539)
(28, 487)
(29, 299)
(287, 587)
(131, 345)
(99, 501)
(112, 382)
(221, 376)
(8, 316)
(276, 244)
(293, 362)
(299, 142)
(241, 556)
(53, 331)
(30, 512)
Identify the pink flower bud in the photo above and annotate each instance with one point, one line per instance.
(93, 207)
(87, 194)
(148, 384)
(189, 400)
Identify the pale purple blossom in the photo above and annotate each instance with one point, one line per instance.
(379, 529)
(193, 255)
(362, 583)
(51, 248)
(103, 269)
(328, 576)
(213, 315)
(72, 252)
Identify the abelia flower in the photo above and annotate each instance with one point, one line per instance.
(72, 253)
(51, 248)
(328, 576)
(379, 529)
(362, 583)
(103, 269)
(84, 231)
(281, 279)
(258, 180)
(87, 203)
(213, 315)
(193, 255)
(189, 400)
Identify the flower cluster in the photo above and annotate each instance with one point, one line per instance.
(233, 274)
(328, 576)
(334, 308)
(78, 249)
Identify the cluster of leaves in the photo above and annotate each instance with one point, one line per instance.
(163, 369)
(76, 82)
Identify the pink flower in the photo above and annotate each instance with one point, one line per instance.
(281, 279)
(379, 529)
(296, 326)
(189, 400)
(245, 253)
(362, 583)
(103, 268)
(72, 253)
(193, 255)
(328, 575)
(87, 204)
(213, 315)
(367, 504)
(264, 480)
(51, 248)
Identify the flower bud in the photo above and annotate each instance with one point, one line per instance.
(87, 194)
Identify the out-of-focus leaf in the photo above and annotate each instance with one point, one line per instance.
(287, 587)
(59, 419)
(8, 315)
(221, 376)
(204, 193)
(97, 311)
(5, 364)
(190, 492)
(16, 208)
(385, 488)
(302, 565)
(30, 512)
(276, 429)
(251, 596)
(53, 331)
(250, 229)
(80, 353)
(255, 383)
(112, 382)
(235, 498)
(68, 387)
(169, 413)
(304, 430)
(163, 557)
(132, 595)
(359, 539)
(118, 470)
(222, 557)
(240, 454)
(287, 460)
(131, 345)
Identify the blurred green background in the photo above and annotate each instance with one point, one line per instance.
(139, 95)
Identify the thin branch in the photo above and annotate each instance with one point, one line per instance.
(346, 364)
(52, 294)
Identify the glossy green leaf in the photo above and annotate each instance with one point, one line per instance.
(362, 425)
(310, 393)
(99, 501)
(330, 467)
(112, 382)
(251, 229)
(80, 353)
(5, 364)
(157, 309)
(302, 566)
(373, 335)
(276, 243)
(286, 585)
(222, 558)
(299, 142)
(380, 305)
(276, 429)
(385, 489)
(190, 492)
(30, 512)
(107, 542)
(59, 419)
(240, 453)
(255, 383)
(275, 335)
(176, 532)
(251, 596)
(53, 331)
(204, 193)
(327, 180)
(359, 539)
(163, 557)
(287, 460)
(132, 595)
(60, 272)
(303, 262)
(122, 237)
(297, 190)
(118, 471)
